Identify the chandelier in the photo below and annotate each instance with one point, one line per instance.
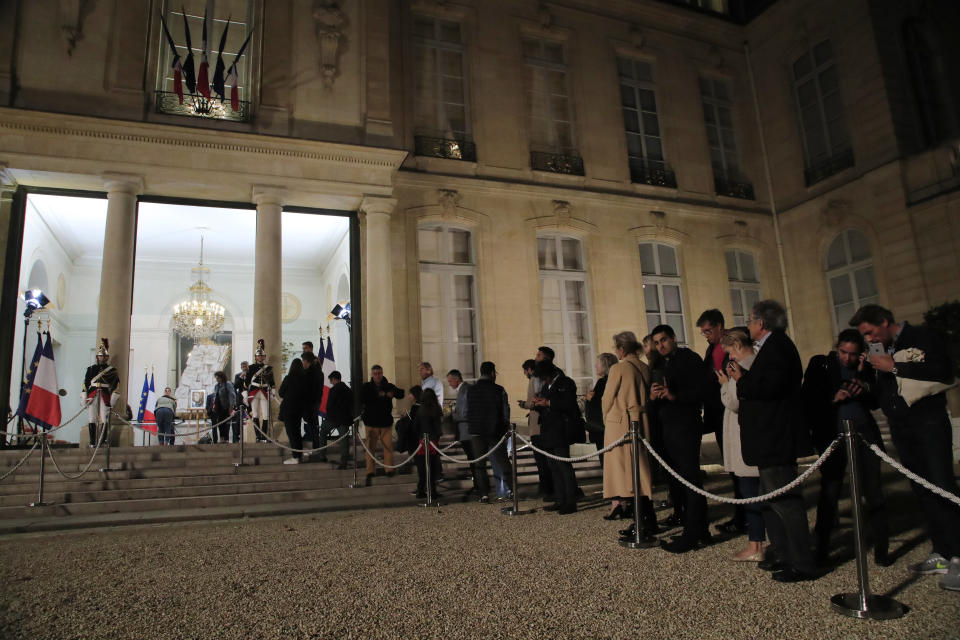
(198, 317)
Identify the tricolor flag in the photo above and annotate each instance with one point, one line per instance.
(328, 368)
(27, 382)
(150, 409)
(148, 402)
(189, 74)
(232, 75)
(218, 85)
(203, 81)
(177, 68)
(42, 404)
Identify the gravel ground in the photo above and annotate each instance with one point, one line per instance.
(463, 571)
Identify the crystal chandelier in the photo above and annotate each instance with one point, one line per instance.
(198, 317)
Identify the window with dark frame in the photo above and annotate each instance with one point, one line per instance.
(638, 102)
(553, 145)
(718, 118)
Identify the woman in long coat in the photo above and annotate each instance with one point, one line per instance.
(624, 401)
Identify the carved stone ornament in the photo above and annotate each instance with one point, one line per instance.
(72, 15)
(637, 39)
(561, 209)
(448, 199)
(659, 220)
(835, 212)
(330, 24)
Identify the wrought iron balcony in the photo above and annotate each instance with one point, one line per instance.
(199, 107)
(830, 166)
(652, 172)
(556, 163)
(445, 148)
(732, 188)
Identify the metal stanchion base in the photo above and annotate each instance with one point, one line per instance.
(433, 504)
(878, 607)
(510, 511)
(642, 544)
(41, 504)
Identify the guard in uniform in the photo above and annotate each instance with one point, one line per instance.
(260, 385)
(99, 385)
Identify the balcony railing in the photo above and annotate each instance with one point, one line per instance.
(823, 170)
(652, 172)
(556, 163)
(733, 188)
(200, 107)
(445, 148)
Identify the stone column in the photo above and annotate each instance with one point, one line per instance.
(378, 287)
(116, 284)
(268, 282)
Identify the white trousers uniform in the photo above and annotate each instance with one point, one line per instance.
(98, 411)
(259, 404)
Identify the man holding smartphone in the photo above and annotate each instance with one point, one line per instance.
(836, 387)
(921, 430)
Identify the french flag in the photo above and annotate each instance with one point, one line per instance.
(151, 405)
(328, 368)
(43, 402)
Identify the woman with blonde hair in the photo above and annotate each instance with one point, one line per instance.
(624, 401)
(739, 347)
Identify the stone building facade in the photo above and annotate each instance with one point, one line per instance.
(522, 173)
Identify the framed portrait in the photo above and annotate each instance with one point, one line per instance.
(198, 398)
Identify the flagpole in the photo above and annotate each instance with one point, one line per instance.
(23, 359)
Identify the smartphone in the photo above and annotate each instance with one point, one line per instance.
(657, 377)
(875, 349)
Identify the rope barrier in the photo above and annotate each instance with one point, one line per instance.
(288, 448)
(767, 496)
(85, 469)
(20, 464)
(384, 464)
(47, 431)
(475, 460)
(926, 484)
(609, 447)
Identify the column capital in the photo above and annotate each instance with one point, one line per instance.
(128, 183)
(378, 204)
(265, 194)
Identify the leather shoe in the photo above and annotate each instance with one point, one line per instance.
(553, 507)
(792, 575)
(673, 520)
(772, 565)
(567, 509)
(680, 545)
(732, 526)
(629, 531)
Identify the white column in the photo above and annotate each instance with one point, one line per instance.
(378, 301)
(116, 283)
(268, 280)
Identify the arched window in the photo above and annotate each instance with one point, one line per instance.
(448, 295)
(662, 290)
(849, 270)
(744, 284)
(565, 306)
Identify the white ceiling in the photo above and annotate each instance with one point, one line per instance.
(170, 233)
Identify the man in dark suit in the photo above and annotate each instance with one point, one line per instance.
(711, 325)
(677, 394)
(770, 423)
(561, 424)
(921, 431)
(839, 386)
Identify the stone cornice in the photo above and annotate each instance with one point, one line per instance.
(70, 126)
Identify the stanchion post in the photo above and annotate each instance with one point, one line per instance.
(515, 509)
(862, 604)
(242, 421)
(353, 435)
(40, 502)
(637, 542)
(106, 436)
(426, 464)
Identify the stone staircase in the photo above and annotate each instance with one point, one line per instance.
(196, 482)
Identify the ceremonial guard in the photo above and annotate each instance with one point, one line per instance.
(260, 384)
(99, 386)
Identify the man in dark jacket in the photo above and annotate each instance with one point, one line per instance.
(838, 386)
(377, 397)
(224, 401)
(770, 424)
(921, 431)
(711, 325)
(311, 417)
(488, 419)
(339, 414)
(561, 424)
(677, 392)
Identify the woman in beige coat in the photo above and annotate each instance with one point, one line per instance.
(624, 401)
